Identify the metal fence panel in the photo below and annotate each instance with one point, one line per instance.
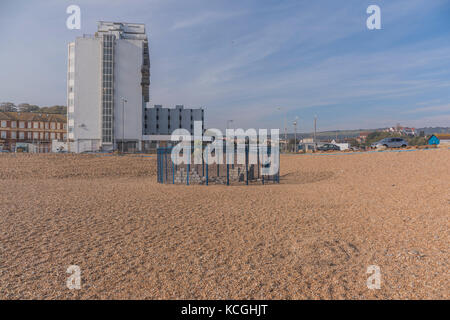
(233, 173)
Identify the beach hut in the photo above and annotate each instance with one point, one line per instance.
(433, 140)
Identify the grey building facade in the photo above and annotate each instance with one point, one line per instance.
(163, 121)
(159, 123)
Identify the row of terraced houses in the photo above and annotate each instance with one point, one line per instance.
(39, 130)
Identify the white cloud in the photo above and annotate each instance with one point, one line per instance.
(256, 71)
(430, 109)
(204, 18)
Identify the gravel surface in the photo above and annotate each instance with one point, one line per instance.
(311, 237)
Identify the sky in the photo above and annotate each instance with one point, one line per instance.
(260, 63)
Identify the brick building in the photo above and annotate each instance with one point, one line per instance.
(38, 129)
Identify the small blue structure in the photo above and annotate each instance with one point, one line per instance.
(433, 140)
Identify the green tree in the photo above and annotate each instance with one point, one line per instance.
(54, 109)
(417, 141)
(8, 107)
(26, 107)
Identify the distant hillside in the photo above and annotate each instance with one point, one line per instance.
(341, 134)
(429, 130)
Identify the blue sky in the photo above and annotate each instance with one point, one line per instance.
(243, 59)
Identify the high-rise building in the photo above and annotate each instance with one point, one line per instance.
(108, 88)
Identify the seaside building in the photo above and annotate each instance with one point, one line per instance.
(34, 132)
(108, 91)
(108, 88)
(159, 122)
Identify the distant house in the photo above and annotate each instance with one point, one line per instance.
(342, 146)
(402, 130)
(38, 129)
(408, 131)
(362, 137)
(307, 140)
(433, 140)
(306, 144)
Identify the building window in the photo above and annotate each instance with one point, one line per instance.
(52, 136)
(21, 124)
(64, 126)
(46, 125)
(3, 134)
(13, 124)
(107, 86)
(65, 136)
(21, 135)
(30, 135)
(41, 135)
(46, 136)
(42, 125)
(3, 124)
(36, 135)
(30, 125)
(13, 135)
(53, 126)
(36, 125)
(58, 135)
(59, 126)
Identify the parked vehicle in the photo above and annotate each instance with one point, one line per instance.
(328, 147)
(4, 151)
(390, 143)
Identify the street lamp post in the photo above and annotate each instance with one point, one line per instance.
(315, 132)
(285, 130)
(123, 121)
(228, 123)
(295, 134)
